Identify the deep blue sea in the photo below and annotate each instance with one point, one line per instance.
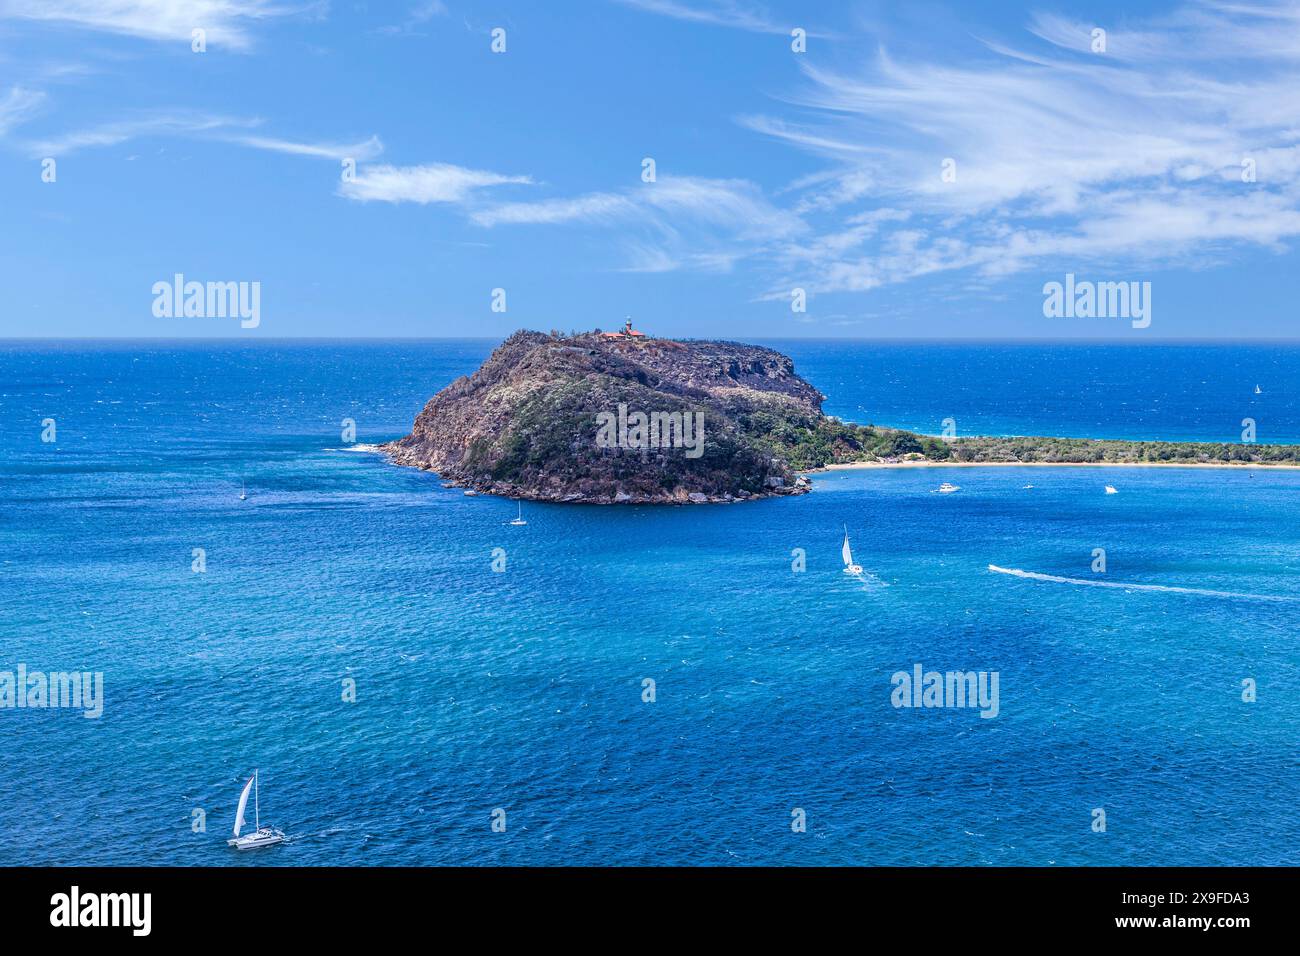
(522, 689)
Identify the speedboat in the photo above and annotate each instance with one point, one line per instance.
(947, 489)
(1110, 490)
(261, 836)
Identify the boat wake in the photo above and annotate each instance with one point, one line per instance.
(1036, 576)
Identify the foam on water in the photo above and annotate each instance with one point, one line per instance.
(1170, 589)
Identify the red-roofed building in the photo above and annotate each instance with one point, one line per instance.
(627, 333)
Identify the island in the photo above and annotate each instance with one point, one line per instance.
(623, 417)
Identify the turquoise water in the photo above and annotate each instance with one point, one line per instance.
(522, 689)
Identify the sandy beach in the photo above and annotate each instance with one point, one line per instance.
(1048, 464)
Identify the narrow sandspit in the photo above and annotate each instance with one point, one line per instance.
(846, 466)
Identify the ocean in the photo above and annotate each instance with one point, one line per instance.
(499, 673)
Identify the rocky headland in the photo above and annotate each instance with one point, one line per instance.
(607, 418)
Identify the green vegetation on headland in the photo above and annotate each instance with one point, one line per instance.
(562, 418)
(835, 442)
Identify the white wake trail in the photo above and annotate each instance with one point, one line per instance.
(1036, 576)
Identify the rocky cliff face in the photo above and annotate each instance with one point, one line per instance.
(559, 418)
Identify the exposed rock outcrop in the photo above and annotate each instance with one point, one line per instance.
(557, 418)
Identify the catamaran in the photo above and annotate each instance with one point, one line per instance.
(520, 520)
(261, 836)
(849, 566)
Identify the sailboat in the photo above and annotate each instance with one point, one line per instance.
(243, 491)
(849, 566)
(520, 520)
(1258, 390)
(261, 836)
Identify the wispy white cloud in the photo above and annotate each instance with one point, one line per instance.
(593, 208)
(431, 183)
(362, 151)
(17, 106)
(722, 13)
(186, 125)
(416, 17)
(139, 127)
(226, 22)
(676, 222)
(1134, 156)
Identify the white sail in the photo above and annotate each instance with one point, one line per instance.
(848, 555)
(243, 805)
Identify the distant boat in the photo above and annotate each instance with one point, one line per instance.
(947, 489)
(1258, 390)
(261, 836)
(243, 492)
(1028, 486)
(1110, 490)
(471, 493)
(849, 566)
(520, 520)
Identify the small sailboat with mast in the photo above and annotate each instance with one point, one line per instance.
(261, 836)
(847, 554)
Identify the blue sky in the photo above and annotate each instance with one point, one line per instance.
(775, 170)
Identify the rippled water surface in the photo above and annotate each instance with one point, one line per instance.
(523, 689)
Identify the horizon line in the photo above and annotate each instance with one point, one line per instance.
(252, 340)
